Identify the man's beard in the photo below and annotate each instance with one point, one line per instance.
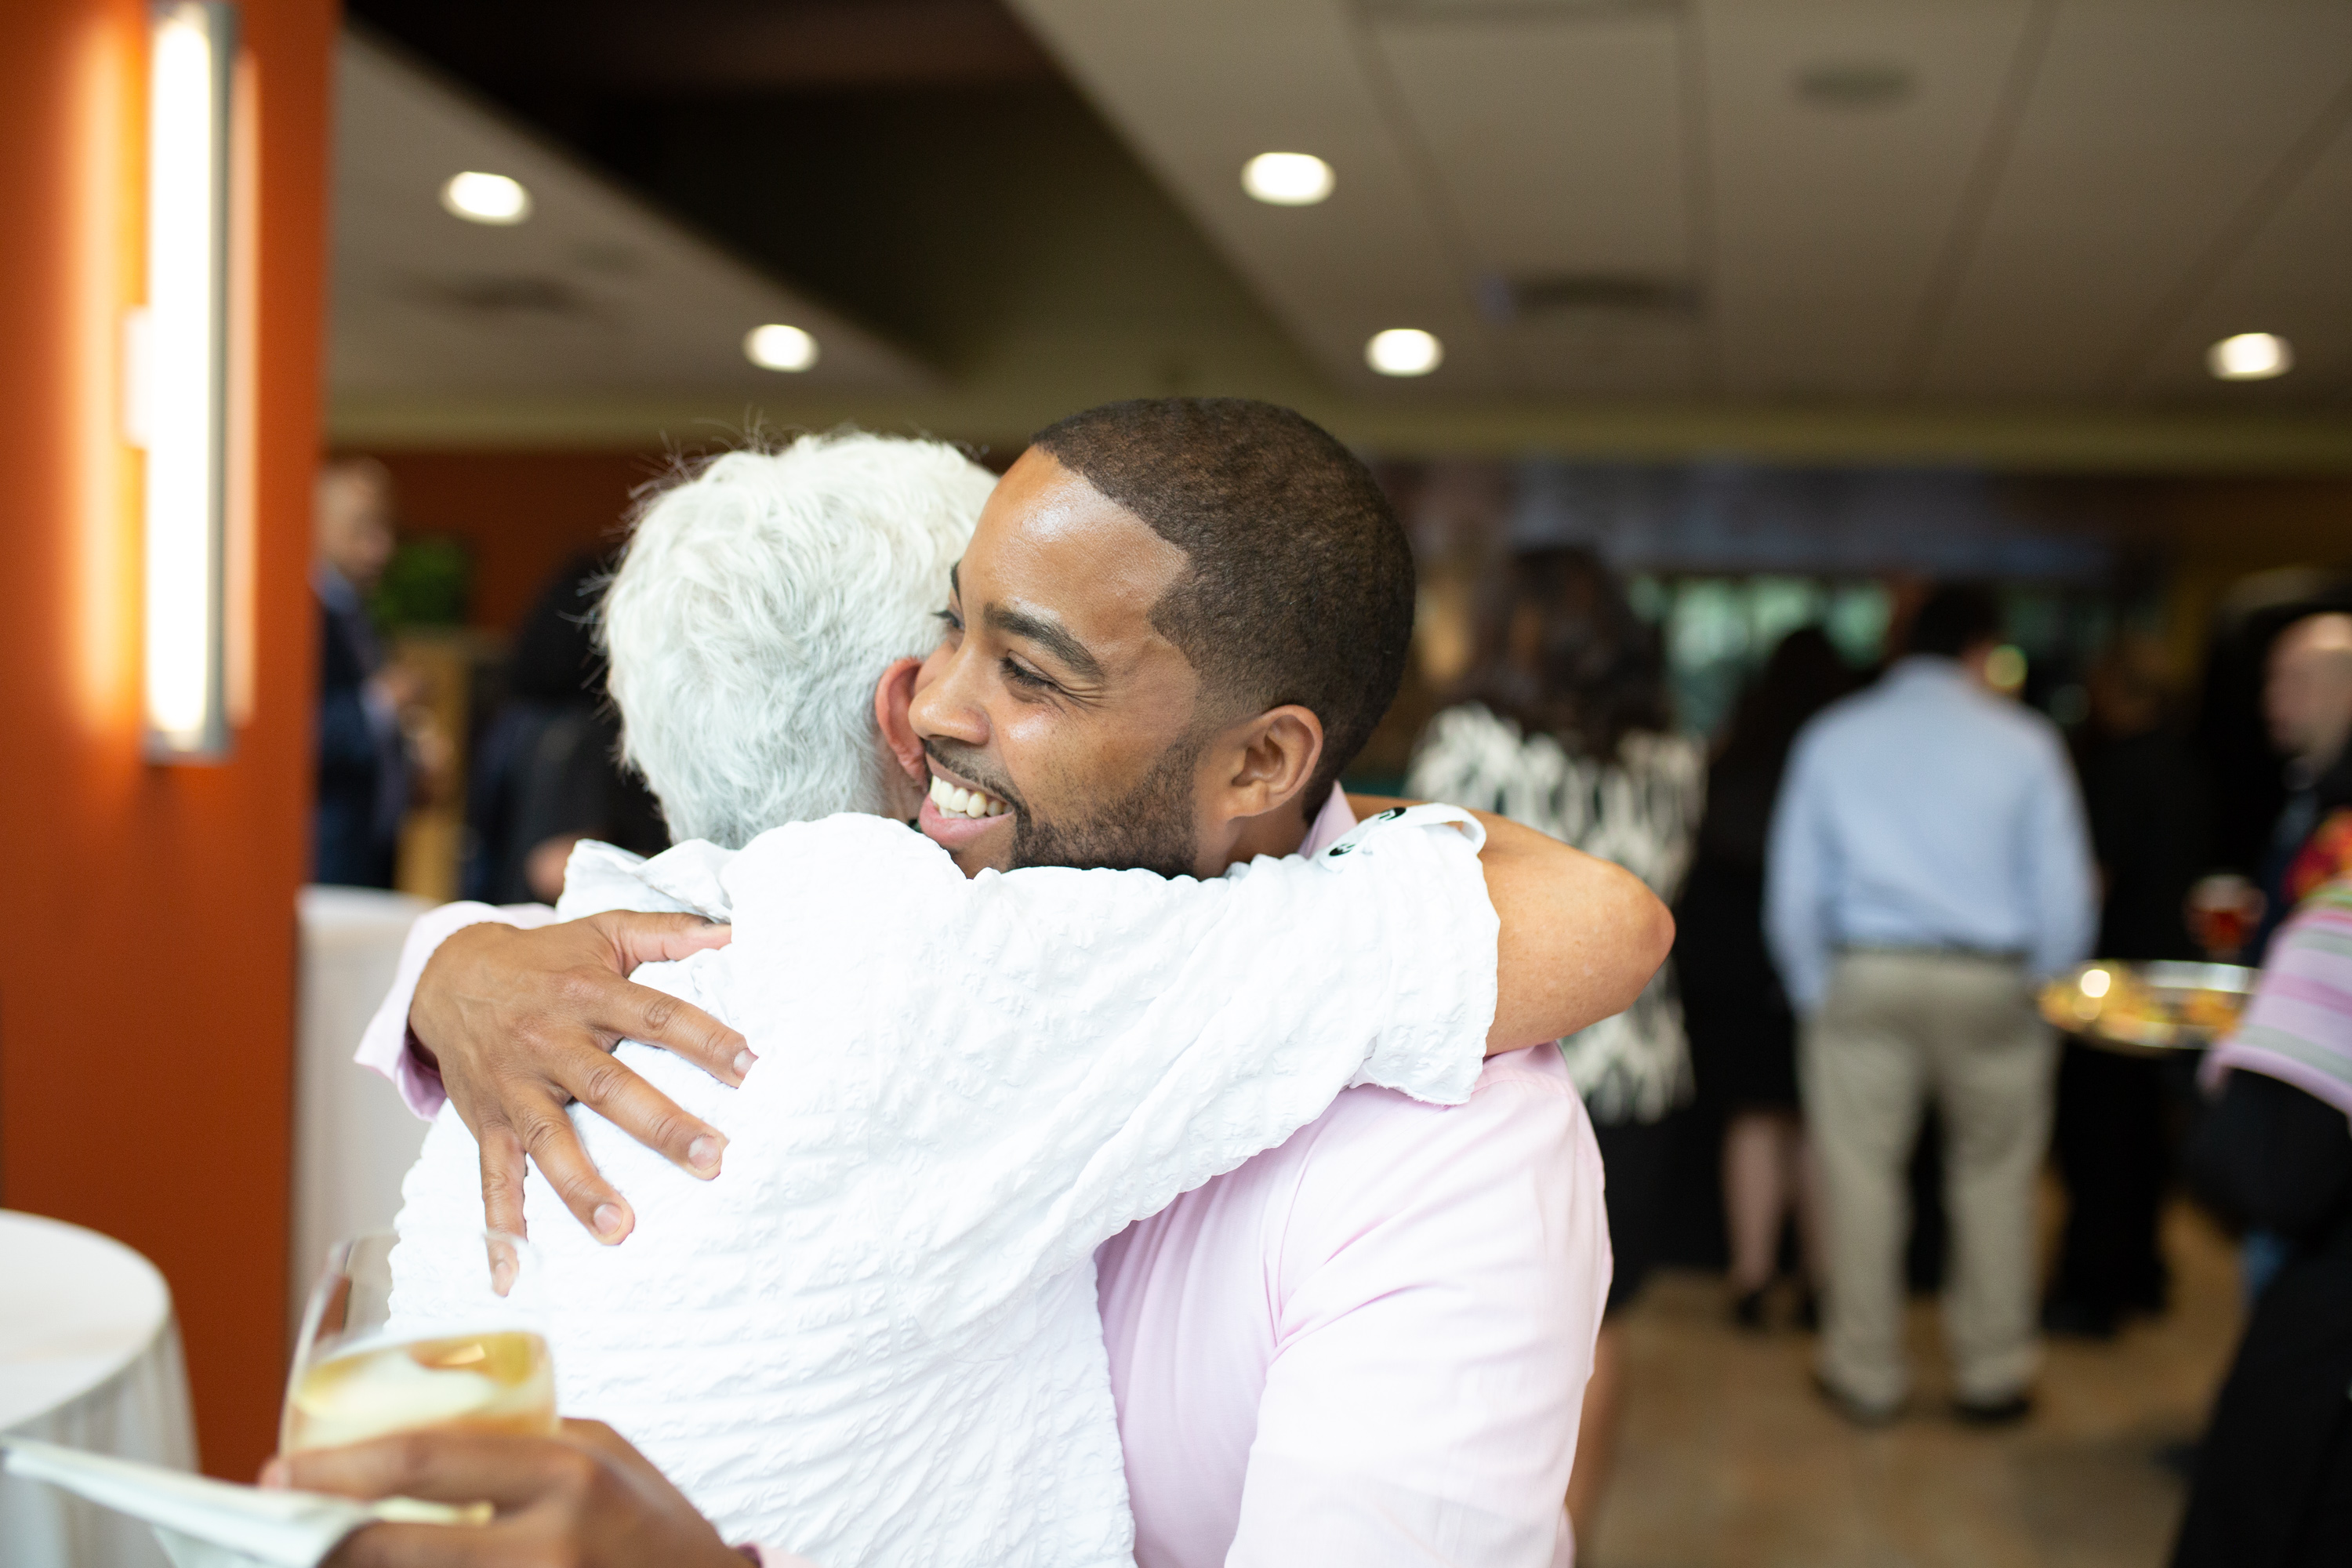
(1150, 828)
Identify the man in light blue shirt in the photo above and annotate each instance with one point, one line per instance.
(1928, 866)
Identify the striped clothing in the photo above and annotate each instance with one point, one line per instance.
(2299, 1026)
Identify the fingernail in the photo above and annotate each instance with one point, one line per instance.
(743, 1060)
(502, 1274)
(702, 1154)
(273, 1475)
(608, 1222)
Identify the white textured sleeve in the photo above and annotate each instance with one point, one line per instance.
(1083, 1045)
(1429, 932)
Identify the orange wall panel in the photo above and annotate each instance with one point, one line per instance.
(147, 927)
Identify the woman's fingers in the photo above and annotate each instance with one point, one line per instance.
(584, 1498)
(425, 1546)
(443, 1465)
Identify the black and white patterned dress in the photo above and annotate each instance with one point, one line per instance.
(1641, 810)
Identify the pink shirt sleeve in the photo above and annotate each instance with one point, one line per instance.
(1479, 1241)
(384, 1048)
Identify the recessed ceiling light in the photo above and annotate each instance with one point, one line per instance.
(778, 347)
(2251, 356)
(1404, 351)
(1287, 179)
(485, 198)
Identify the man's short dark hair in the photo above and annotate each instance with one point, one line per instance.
(1300, 583)
(1956, 618)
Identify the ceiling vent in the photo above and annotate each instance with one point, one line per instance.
(507, 295)
(1856, 84)
(1518, 10)
(1535, 295)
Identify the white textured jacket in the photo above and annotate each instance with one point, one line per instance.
(874, 1335)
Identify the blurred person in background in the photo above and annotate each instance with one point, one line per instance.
(2307, 710)
(2307, 704)
(548, 772)
(1743, 1037)
(1928, 865)
(364, 764)
(1563, 726)
(2143, 801)
(2273, 1485)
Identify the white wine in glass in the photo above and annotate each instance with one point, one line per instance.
(367, 1365)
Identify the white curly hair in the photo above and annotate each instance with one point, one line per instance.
(758, 601)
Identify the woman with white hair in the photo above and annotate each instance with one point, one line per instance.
(758, 601)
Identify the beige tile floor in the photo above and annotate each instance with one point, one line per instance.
(1729, 1461)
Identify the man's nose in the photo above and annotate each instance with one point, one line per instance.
(945, 707)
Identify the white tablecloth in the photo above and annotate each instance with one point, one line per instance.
(89, 1357)
(353, 1139)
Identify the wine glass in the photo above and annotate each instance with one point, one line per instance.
(2222, 912)
(421, 1329)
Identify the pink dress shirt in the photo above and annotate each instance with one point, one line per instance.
(1365, 1347)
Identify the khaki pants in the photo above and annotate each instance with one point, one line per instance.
(1895, 1028)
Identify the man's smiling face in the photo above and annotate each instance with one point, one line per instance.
(1052, 708)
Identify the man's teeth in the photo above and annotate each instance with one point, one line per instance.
(953, 801)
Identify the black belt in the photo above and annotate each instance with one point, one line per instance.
(1935, 950)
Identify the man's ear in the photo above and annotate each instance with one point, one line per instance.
(1279, 752)
(893, 695)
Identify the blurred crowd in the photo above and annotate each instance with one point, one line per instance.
(537, 747)
(1873, 872)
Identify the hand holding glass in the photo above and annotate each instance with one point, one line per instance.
(366, 1367)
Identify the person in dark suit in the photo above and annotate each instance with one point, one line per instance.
(547, 770)
(2273, 1483)
(2307, 703)
(1743, 1035)
(363, 760)
(2144, 799)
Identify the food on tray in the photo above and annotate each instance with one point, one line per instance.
(2149, 1006)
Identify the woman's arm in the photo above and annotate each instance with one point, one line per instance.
(524, 1021)
(1580, 937)
(584, 1498)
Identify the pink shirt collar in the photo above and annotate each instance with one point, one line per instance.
(1333, 823)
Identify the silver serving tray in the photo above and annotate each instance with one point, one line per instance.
(2152, 1009)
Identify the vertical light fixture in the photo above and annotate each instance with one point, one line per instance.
(183, 391)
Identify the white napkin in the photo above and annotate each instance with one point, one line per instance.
(205, 1523)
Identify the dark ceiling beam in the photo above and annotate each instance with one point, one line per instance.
(736, 44)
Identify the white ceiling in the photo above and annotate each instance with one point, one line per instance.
(2073, 199)
(596, 291)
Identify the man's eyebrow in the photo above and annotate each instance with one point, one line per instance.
(1047, 634)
